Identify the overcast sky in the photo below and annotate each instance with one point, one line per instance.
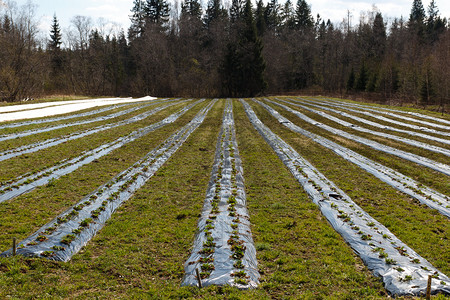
(118, 11)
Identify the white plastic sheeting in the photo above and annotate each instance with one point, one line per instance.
(76, 135)
(28, 182)
(369, 114)
(401, 182)
(378, 133)
(63, 237)
(374, 124)
(388, 112)
(403, 271)
(82, 122)
(223, 250)
(31, 111)
(437, 166)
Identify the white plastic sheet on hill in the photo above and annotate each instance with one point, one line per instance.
(374, 124)
(82, 122)
(403, 271)
(76, 135)
(63, 237)
(227, 182)
(378, 133)
(28, 182)
(437, 166)
(31, 111)
(424, 194)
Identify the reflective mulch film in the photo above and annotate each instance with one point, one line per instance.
(403, 271)
(401, 182)
(28, 182)
(223, 251)
(63, 237)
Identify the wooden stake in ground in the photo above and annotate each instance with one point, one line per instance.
(198, 278)
(429, 288)
(14, 247)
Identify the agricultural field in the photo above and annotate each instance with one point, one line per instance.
(272, 197)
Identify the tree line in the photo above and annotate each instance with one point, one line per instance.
(229, 50)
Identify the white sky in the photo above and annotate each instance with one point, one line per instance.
(118, 11)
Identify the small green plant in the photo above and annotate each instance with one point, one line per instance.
(415, 261)
(239, 265)
(41, 238)
(58, 248)
(207, 267)
(86, 222)
(399, 269)
(407, 278)
(383, 254)
(68, 239)
(390, 261)
(48, 254)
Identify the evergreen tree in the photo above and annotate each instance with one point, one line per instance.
(55, 35)
(137, 20)
(243, 66)
(192, 8)
(214, 12)
(417, 18)
(378, 40)
(351, 80)
(361, 83)
(157, 11)
(259, 16)
(272, 15)
(303, 18)
(236, 10)
(288, 15)
(54, 46)
(434, 24)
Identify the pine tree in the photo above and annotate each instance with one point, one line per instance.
(236, 10)
(288, 15)
(363, 77)
(243, 66)
(351, 80)
(55, 35)
(54, 46)
(214, 12)
(157, 11)
(272, 15)
(417, 18)
(303, 18)
(192, 8)
(137, 20)
(259, 16)
(434, 24)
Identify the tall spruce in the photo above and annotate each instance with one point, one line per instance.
(243, 66)
(137, 20)
(303, 18)
(157, 11)
(192, 8)
(417, 18)
(54, 46)
(214, 12)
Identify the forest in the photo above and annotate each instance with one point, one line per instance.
(232, 49)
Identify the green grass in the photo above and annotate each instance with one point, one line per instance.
(141, 251)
